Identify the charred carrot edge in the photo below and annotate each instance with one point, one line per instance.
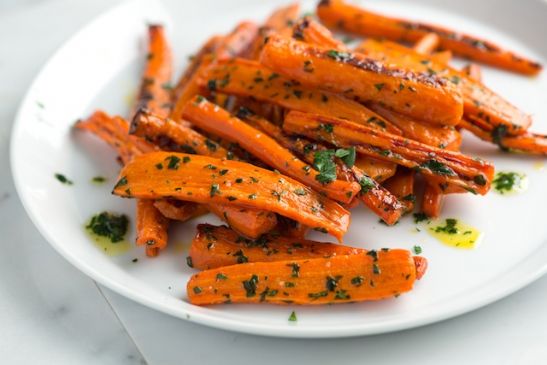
(342, 16)
(151, 225)
(280, 21)
(472, 174)
(339, 279)
(155, 89)
(374, 196)
(473, 71)
(175, 137)
(208, 180)
(114, 131)
(179, 210)
(250, 79)
(195, 61)
(232, 45)
(310, 31)
(218, 121)
(365, 79)
(480, 102)
(427, 43)
(251, 223)
(217, 246)
(529, 143)
(402, 186)
(433, 135)
(172, 136)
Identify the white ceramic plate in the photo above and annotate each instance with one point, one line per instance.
(99, 68)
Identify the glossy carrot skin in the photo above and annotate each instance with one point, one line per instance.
(249, 222)
(218, 246)
(432, 200)
(218, 121)
(402, 186)
(378, 199)
(342, 16)
(365, 79)
(472, 174)
(208, 180)
(179, 210)
(232, 45)
(151, 225)
(433, 135)
(155, 89)
(250, 79)
(339, 279)
(480, 103)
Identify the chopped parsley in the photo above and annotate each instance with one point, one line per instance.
(420, 217)
(379, 87)
(173, 163)
(98, 179)
(292, 317)
(347, 155)
(338, 56)
(505, 182)
(448, 228)
(366, 184)
(295, 269)
(323, 162)
(63, 179)
(215, 189)
(438, 168)
(250, 286)
(109, 225)
(417, 249)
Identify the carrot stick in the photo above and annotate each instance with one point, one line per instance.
(427, 44)
(480, 103)
(151, 225)
(374, 196)
(473, 71)
(155, 89)
(342, 16)
(151, 251)
(179, 210)
(279, 22)
(250, 79)
(365, 79)
(339, 279)
(195, 61)
(472, 174)
(291, 228)
(212, 181)
(402, 186)
(433, 135)
(217, 246)
(232, 45)
(218, 121)
(442, 57)
(432, 200)
(310, 31)
(249, 222)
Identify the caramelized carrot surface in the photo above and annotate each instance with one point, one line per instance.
(472, 174)
(339, 279)
(480, 102)
(208, 180)
(357, 76)
(218, 121)
(340, 15)
(217, 246)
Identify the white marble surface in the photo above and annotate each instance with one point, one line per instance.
(50, 313)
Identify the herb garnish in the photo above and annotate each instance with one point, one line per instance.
(63, 179)
(347, 155)
(292, 317)
(250, 286)
(323, 162)
(438, 168)
(109, 225)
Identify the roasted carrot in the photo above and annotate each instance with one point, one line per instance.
(480, 103)
(472, 174)
(427, 44)
(151, 225)
(402, 186)
(232, 45)
(433, 135)
(340, 279)
(180, 210)
(357, 76)
(249, 222)
(218, 121)
(442, 57)
(280, 22)
(212, 181)
(291, 228)
(432, 200)
(342, 16)
(114, 131)
(310, 31)
(155, 89)
(473, 71)
(250, 79)
(373, 195)
(195, 61)
(151, 251)
(217, 246)
(529, 143)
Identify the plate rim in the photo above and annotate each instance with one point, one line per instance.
(196, 314)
